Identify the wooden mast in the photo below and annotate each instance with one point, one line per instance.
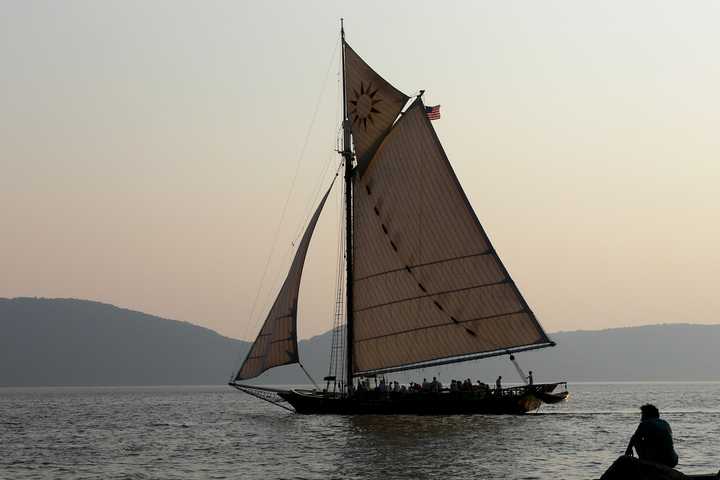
(347, 155)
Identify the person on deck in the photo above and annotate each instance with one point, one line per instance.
(435, 385)
(653, 438)
(530, 378)
(498, 385)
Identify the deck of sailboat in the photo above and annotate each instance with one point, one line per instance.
(515, 400)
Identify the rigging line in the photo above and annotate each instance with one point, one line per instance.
(316, 196)
(337, 346)
(286, 258)
(308, 375)
(317, 191)
(340, 340)
(342, 317)
(332, 344)
(337, 313)
(280, 276)
(290, 248)
(518, 369)
(289, 195)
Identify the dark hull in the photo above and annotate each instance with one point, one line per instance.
(513, 401)
(627, 467)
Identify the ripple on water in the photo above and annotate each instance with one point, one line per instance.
(215, 432)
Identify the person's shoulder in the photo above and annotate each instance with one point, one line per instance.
(663, 423)
(656, 424)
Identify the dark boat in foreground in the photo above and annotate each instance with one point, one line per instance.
(419, 284)
(631, 468)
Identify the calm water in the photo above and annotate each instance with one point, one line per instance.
(215, 432)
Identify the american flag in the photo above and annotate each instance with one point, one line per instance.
(433, 113)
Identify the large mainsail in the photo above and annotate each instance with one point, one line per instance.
(428, 283)
(372, 105)
(276, 344)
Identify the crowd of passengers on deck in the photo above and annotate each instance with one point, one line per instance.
(434, 386)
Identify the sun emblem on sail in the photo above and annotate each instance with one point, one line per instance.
(363, 105)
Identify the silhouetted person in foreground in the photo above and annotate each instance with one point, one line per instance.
(653, 439)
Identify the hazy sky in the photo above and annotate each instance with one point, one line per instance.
(147, 149)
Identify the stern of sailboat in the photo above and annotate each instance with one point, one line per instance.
(532, 397)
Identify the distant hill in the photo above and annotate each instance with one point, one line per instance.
(79, 342)
(673, 352)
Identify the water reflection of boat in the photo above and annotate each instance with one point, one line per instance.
(423, 285)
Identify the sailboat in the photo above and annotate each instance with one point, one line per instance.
(423, 285)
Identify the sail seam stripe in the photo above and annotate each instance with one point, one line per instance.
(427, 327)
(444, 260)
(473, 287)
(455, 359)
